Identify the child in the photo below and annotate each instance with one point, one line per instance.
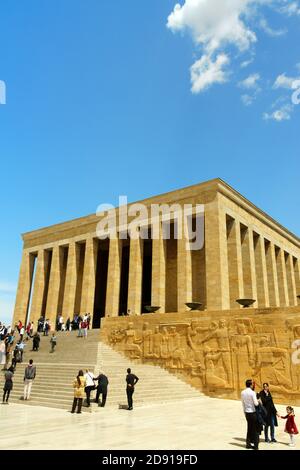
(290, 425)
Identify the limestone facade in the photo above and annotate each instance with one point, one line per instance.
(66, 269)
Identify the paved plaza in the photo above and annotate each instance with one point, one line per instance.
(194, 424)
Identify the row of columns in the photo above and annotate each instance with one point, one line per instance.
(239, 263)
(258, 269)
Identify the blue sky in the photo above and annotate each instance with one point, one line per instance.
(138, 98)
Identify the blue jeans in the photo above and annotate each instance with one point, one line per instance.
(272, 429)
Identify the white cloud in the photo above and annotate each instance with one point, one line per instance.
(250, 82)
(205, 72)
(281, 114)
(282, 81)
(214, 23)
(246, 63)
(290, 8)
(218, 26)
(270, 31)
(247, 100)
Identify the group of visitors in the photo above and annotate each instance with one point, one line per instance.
(80, 322)
(29, 376)
(260, 413)
(84, 384)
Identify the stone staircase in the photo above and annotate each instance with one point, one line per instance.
(56, 372)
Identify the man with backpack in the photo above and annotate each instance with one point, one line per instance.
(29, 376)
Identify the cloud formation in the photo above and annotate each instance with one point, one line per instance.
(220, 26)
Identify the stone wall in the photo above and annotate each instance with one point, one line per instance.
(216, 351)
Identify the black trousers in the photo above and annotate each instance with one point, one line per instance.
(88, 393)
(75, 402)
(104, 395)
(130, 392)
(252, 434)
(6, 394)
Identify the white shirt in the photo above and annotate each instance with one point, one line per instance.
(249, 400)
(89, 379)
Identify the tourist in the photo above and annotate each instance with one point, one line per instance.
(271, 417)
(79, 386)
(84, 328)
(46, 327)
(90, 385)
(290, 425)
(19, 326)
(29, 376)
(19, 351)
(53, 342)
(8, 385)
(131, 381)
(101, 388)
(250, 403)
(2, 353)
(79, 322)
(36, 342)
(22, 331)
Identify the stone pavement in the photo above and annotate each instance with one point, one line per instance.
(198, 423)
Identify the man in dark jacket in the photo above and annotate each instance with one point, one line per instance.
(101, 389)
(131, 381)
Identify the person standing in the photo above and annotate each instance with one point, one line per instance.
(101, 389)
(22, 330)
(8, 385)
(53, 341)
(271, 418)
(36, 341)
(131, 381)
(79, 386)
(90, 385)
(29, 376)
(290, 425)
(250, 403)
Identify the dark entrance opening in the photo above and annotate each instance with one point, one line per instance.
(124, 277)
(101, 282)
(171, 271)
(147, 274)
(63, 260)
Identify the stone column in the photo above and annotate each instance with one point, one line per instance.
(71, 281)
(235, 269)
(252, 267)
(248, 262)
(24, 288)
(184, 274)
(113, 278)
(297, 275)
(158, 294)
(89, 277)
(135, 276)
(274, 272)
(54, 284)
(217, 287)
(291, 280)
(261, 273)
(38, 288)
(282, 278)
